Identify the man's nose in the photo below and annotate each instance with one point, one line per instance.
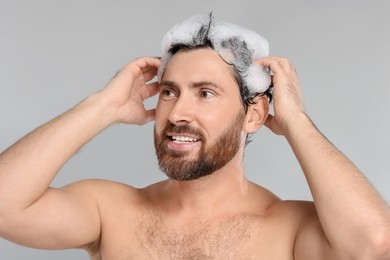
(182, 112)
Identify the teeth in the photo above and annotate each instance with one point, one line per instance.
(184, 139)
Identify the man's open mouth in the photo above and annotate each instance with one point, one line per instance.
(183, 139)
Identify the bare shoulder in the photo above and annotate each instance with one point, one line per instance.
(100, 189)
(297, 209)
(97, 185)
(277, 206)
(301, 218)
(292, 215)
(115, 205)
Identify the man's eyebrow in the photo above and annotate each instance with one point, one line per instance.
(168, 83)
(205, 83)
(197, 84)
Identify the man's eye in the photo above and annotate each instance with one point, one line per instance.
(168, 93)
(206, 94)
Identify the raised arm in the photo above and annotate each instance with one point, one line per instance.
(35, 215)
(354, 221)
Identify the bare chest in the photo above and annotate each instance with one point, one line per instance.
(207, 240)
(152, 237)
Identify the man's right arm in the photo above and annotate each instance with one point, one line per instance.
(32, 213)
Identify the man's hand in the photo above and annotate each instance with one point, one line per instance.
(128, 89)
(288, 103)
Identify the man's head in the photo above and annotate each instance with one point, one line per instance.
(237, 46)
(202, 119)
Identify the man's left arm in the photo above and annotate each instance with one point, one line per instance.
(354, 220)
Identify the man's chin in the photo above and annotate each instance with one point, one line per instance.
(181, 155)
(183, 169)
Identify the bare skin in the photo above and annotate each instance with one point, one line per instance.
(221, 216)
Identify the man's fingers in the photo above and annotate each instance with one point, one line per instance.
(150, 115)
(150, 74)
(274, 66)
(268, 121)
(146, 63)
(272, 125)
(153, 88)
(277, 65)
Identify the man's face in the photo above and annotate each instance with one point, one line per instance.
(199, 116)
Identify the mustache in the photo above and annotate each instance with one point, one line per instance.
(182, 129)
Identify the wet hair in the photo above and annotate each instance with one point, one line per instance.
(237, 46)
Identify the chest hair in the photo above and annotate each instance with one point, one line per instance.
(218, 239)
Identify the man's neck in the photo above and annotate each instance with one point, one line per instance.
(212, 194)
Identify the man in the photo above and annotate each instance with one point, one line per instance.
(207, 209)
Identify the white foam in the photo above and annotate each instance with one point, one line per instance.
(235, 44)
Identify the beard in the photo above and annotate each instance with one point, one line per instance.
(207, 160)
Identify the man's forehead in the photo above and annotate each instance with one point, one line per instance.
(200, 67)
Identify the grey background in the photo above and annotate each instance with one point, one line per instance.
(55, 53)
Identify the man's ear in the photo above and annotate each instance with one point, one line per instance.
(257, 114)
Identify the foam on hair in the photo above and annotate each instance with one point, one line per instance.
(236, 45)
